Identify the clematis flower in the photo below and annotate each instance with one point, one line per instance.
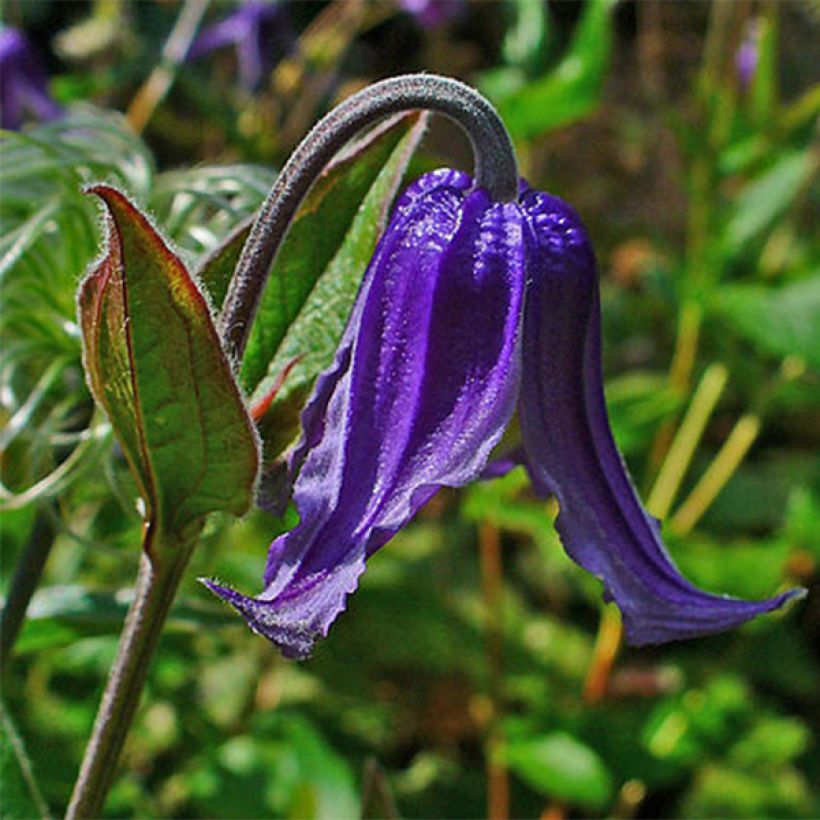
(469, 309)
(260, 32)
(23, 83)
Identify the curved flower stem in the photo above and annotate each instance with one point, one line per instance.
(496, 170)
(157, 583)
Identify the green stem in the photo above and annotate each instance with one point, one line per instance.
(154, 593)
(26, 577)
(498, 787)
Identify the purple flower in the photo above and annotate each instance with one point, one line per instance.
(469, 309)
(433, 13)
(259, 31)
(748, 54)
(23, 82)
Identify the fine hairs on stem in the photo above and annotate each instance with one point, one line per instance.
(496, 170)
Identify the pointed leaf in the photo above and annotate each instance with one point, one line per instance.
(314, 238)
(155, 364)
(780, 321)
(571, 90)
(562, 767)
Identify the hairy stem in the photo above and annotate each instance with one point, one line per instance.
(496, 170)
(157, 583)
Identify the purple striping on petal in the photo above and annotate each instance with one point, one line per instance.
(414, 401)
(468, 307)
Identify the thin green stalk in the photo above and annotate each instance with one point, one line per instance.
(26, 577)
(156, 587)
(717, 475)
(498, 786)
(159, 82)
(604, 654)
(686, 440)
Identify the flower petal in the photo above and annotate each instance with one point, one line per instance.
(415, 400)
(571, 453)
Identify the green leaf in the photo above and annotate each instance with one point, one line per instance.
(217, 268)
(638, 402)
(155, 364)
(312, 339)
(562, 767)
(314, 238)
(21, 795)
(781, 322)
(767, 198)
(571, 90)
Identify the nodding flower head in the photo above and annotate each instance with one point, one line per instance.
(470, 311)
(23, 82)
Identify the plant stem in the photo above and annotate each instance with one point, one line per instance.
(159, 82)
(607, 645)
(26, 577)
(154, 593)
(498, 789)
(717, 475)
(679, 456)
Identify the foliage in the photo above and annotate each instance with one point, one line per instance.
(699, 191)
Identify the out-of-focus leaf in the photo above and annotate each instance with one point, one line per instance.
(767, 198)
(563, 768)
(638, 403)
(781, 322)
(745, 570)
(802, 526)
(21, 797)
(772, 741)
(314, 238)
(59, 616)
(286, 768)
(525, 42)
(571, 90)
(155, 364)
(312, 339)
(757, 496)
(721, 791)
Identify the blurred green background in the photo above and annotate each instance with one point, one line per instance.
(475, 672)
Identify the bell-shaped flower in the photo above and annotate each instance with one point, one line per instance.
(469, 309)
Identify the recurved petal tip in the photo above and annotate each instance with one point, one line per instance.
(294, 621)
(658, 621)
